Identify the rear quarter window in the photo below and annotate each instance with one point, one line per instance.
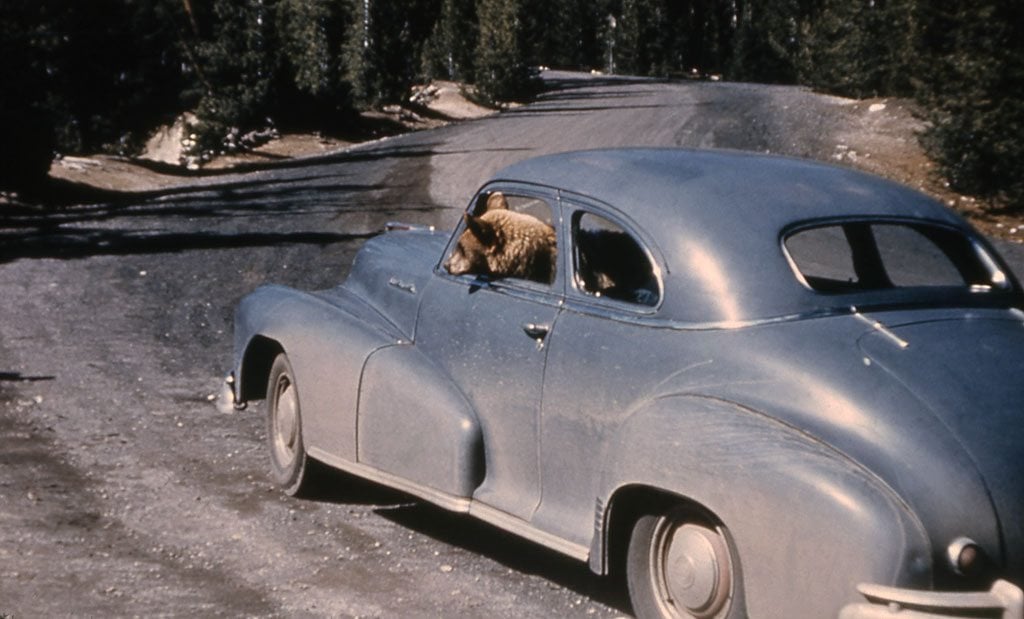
(853, 256)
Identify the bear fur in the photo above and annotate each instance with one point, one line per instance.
(505, 243)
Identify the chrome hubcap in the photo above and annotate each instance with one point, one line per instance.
(692, 570)
(286, 428)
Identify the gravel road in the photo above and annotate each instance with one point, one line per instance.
(124, 492)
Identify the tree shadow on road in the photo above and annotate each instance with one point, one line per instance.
(17, 377)
(475, 536)
(92, 242)
(255, 210)
(274, 206)
(509, 550)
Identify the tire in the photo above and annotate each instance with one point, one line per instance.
(290, 467)
(680, 565)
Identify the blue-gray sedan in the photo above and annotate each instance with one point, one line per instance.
(756, 385)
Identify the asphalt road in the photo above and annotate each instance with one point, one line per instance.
(124, 492)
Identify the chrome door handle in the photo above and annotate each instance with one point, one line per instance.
(535, 331)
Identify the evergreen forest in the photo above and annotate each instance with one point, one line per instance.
(80, 77)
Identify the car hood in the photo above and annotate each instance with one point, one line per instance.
(968, 371)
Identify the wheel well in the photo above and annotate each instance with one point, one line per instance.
(259, 357)
(627, 505)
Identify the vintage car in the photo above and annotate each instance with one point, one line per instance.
(758, 386)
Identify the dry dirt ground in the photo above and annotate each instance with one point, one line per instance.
(877, 135)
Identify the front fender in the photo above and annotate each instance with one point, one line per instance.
(327, 343)
(808, 523)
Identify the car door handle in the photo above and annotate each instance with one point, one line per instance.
(535, 331)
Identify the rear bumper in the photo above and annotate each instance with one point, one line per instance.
(1003, 601)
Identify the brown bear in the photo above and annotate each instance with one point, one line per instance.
(505, 243)
(612, 264)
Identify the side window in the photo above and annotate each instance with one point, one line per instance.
(871, 256)
(913, 259)
(506, 235)
(610, 263)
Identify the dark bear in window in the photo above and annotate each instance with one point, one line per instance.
(611, 264)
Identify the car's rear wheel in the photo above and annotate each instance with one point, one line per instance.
(289, 464)
(680, 565)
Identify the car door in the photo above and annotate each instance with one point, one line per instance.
(600, 361)
(489, 335)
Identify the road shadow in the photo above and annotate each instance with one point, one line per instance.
(93, 242)
(236, 209)
(242, 211)
(510, 551)
(18, 377)
(469, 534)
(72, 221)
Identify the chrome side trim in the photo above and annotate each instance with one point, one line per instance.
(392, 226)
(402, 285)
(892, 603)
(437, 497)
(877, 326)
(523, 529)
(464, 505)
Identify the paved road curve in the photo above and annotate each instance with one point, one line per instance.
(123, 491)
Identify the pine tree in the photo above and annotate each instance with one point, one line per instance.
(311, 89)
(554, 32)
(973, 87)
(82, 77)
(239, 64)
(767, 41)
(25, 122)
(387, 49)
(599, 36)
(501, 70)
(858, 48)
(640, 41)
(450, 49)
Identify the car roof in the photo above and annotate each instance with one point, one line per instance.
(718, 218)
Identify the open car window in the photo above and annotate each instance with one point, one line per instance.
(610, 263)
(537, 208)
(857, 256)
(504, 235)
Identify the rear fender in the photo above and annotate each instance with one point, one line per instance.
(807, 523)
(415, 424)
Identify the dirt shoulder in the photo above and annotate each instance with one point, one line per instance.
(433, 105)
(884, 140)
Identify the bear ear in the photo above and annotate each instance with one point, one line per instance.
(496, 202)
(481, 229)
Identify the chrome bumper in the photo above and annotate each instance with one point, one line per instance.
(1004, 600)
(225, 400)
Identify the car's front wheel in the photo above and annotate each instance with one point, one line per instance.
(679, 565)
(289, 465)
